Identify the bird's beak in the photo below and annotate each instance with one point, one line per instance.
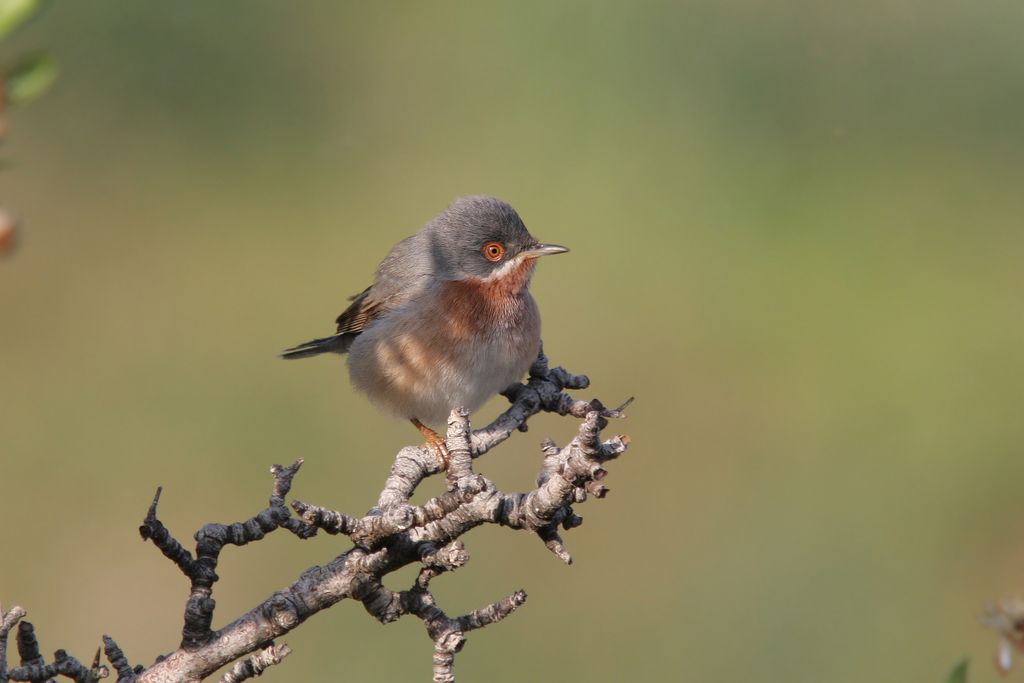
(543, 250)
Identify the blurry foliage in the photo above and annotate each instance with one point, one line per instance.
(28, 78)
(959, 672)
(13, 13)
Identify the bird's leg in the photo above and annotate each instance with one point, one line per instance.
(435, 442)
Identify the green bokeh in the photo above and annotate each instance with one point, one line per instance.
(796, 233)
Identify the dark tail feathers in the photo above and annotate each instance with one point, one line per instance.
(338, 343)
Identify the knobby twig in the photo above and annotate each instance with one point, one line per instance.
(392, 535)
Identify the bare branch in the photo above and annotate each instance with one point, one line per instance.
(8, 620)
(63, 665)
(210, 540)
(253, 666)
(392, 535)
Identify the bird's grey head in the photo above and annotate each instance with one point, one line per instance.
(478, 236)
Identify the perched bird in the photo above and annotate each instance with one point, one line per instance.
(448, 321)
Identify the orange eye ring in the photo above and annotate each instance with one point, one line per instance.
(494, 251)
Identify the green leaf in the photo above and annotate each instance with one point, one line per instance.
(30, 78)
(959, 672)
(13, 13)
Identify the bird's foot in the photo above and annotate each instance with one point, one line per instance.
(435, 442)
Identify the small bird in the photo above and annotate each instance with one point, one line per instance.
(448, 321)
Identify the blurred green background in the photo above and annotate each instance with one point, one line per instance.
(796, 232)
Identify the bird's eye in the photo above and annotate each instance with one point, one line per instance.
(493, 251)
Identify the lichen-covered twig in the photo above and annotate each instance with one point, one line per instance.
(253, 666)
(33, 664)
(210, 540)
(125, 672)
(8, 620)
(393, 534)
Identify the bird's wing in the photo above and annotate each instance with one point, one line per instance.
(363, 310)
(400, 278)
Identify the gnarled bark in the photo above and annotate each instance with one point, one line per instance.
(392, 535)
